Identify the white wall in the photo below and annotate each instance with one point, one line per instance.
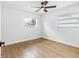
(0, 28)
(0, 21)
(13, 29)
(65, 35)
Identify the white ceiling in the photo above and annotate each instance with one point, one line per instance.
(29, 5)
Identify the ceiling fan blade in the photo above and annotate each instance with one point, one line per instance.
(50, 7)
(45, 10)
(38, 10)
(45, 2)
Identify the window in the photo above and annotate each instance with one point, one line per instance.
(68, 21)
(29, 22)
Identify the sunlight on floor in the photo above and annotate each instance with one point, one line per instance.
(31, 53)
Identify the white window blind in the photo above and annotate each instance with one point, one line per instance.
(68, 21)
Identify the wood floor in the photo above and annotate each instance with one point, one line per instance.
(0, 52)
(39, 48)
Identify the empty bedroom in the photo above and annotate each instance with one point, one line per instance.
(39, 29)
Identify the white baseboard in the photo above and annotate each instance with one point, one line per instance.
(21, 41)
(49, 38)
(70, 44)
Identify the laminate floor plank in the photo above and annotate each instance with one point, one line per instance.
(39, 48)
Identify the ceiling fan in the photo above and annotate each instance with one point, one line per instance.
(44, 6)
